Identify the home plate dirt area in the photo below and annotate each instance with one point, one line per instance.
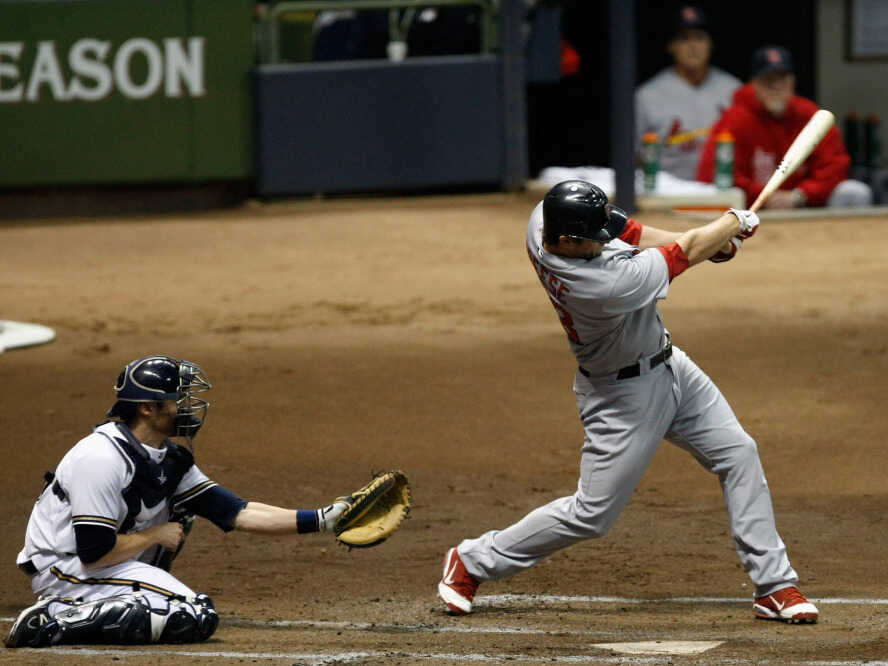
(349, 335)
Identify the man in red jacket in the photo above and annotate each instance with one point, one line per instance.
(764, 119)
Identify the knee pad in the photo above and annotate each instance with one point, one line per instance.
(190, 621)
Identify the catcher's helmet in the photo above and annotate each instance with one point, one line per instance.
(578, 209)
(156, 378)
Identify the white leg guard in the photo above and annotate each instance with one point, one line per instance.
(121, 620)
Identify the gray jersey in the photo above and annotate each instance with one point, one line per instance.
(681, 115)
(608, 308)
(607, 305)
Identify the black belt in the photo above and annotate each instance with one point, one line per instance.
(28, 568)
(635, 369)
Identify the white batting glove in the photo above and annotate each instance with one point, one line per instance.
(749, 222)
(328, 516)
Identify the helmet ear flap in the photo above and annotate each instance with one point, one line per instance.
(617, 220)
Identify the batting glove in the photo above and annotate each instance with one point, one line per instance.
(328, 516)
(749, 222)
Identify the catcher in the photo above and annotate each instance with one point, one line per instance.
(113, 515)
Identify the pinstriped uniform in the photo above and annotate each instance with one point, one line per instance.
(95, 484)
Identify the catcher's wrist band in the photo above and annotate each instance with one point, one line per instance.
(306, 521)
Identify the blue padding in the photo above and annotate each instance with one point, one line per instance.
(372, 124)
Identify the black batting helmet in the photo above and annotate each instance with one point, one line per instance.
(156, 378)
(578, 209)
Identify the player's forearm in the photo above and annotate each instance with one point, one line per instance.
(125, 547)
(653, 237)
(701, 243)
(267, 519)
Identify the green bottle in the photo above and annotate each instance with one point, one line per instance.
(650, 160)
(724, 160)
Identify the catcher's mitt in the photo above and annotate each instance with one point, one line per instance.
(375, 511)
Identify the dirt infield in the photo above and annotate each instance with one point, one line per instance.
(352, 335)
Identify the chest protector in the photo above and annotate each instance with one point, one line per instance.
(152, 482)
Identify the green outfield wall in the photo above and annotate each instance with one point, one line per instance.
(125, 91)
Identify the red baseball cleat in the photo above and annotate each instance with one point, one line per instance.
(457, 587)
(786, 605)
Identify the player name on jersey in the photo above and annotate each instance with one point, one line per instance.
(92, 69)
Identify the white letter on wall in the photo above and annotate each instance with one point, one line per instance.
(93, 69)
(180, 67)
(10, 71)
(46, 70)
(155, 68)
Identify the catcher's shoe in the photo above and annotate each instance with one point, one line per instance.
(457, 587)
(786, 605)
(34, 626)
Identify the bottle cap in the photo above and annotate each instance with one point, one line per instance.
(650, 137)
(724, 136)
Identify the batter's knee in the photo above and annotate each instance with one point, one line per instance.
(589, 518)
(741, 457)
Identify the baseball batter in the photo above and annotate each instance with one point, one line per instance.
(604, 274)
(100, 538)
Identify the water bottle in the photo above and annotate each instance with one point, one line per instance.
(650, 160)
(724, 160)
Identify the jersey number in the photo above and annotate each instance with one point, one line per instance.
(566, 321)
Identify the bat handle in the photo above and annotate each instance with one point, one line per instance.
(758, 202)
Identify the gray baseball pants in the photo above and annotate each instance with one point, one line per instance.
(624, 422)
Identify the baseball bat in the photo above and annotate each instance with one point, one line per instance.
(798, 152)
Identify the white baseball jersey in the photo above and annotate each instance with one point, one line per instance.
(607, 305)
(681, 115)
(88, 490)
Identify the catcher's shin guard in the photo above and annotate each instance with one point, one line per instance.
(34, 627)
(190, 621)
(121, 620)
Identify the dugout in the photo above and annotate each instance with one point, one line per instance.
(391, 123)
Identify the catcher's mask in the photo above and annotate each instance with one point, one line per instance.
(157, 378)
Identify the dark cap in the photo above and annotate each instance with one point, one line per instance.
(689, 18)
(770, 59)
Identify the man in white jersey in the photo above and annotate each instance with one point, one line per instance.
(103, 532)
(682, 102)
(604, 274)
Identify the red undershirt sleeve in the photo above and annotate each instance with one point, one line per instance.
(631, 232)
(676, 259)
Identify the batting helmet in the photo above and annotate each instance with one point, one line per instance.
(578, 209)
(156, 378)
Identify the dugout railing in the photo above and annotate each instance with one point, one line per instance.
(271, 20)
